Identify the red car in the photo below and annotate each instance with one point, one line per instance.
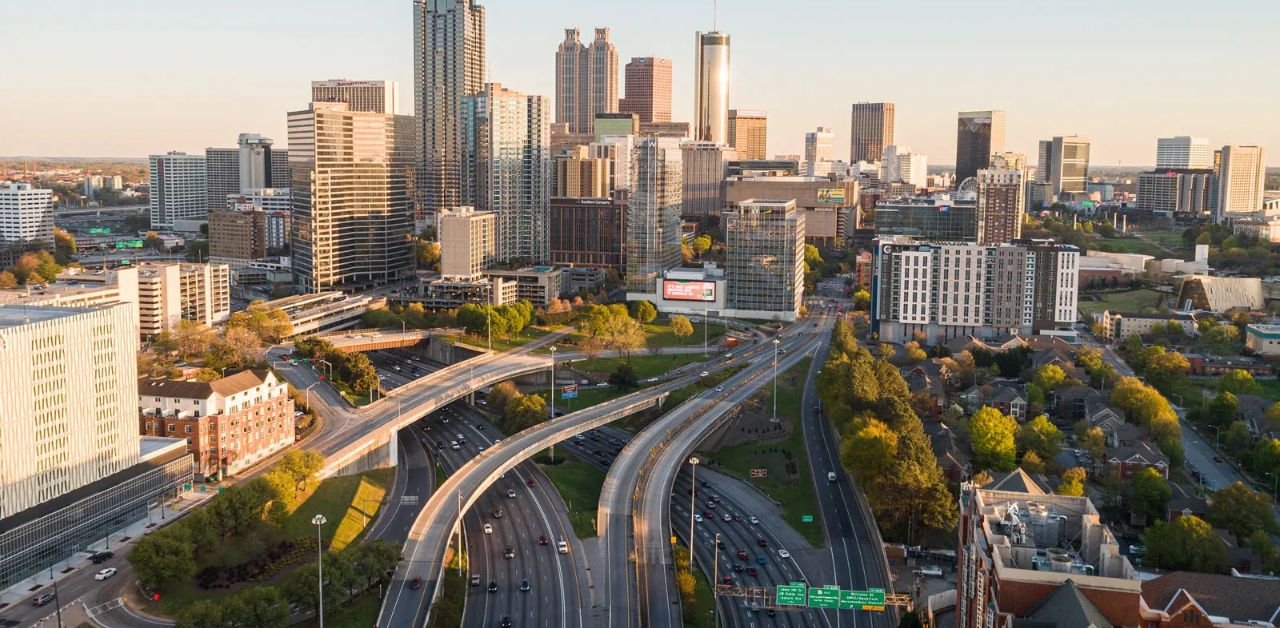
(727, 579)
(542, 540)
(531, 483)
(742, 554)
(416, 583)
(752, 571)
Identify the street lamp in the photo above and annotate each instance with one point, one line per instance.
(553, 398)
(1275, 483)
(1217, 432)
(308, 391)
(693, 501)
(715, 570)
(776, 342)
(319, 522)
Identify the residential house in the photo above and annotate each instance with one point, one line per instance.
(1185, 505)
(1070, 403)
(950, 450)
(1213, 366)
(1110, 420)
(1252, 409)
(1063, 358)
(1133, 455)
(1185, 598)
(927, 382)
(1008, 398)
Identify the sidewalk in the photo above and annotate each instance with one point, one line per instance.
(117, 542)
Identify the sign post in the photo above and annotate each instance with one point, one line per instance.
(791, 594)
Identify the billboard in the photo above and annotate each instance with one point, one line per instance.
(831, 196)
(673, 290)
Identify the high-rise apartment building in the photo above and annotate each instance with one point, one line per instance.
(711, 88)
(871, 129)
(372, 96)
(749, 133)
(648, 89)
(508, 172)
(468, 243)
(1064, 163)
(653, 215)
(617, 149)
(251, 227)
(589, 232)
(947, 290)
(67, 377)
(26, 214)
(222, 175)
(352, 211)
(817, 150)
(1242, 175)
(1183, 152)
(979, 134)
(764, 259)
(253, 165)
(448, 65)
(704, 165)
(178, 188)
(1176, 190)
(1002, 202)
(579, 176)
(586, 80)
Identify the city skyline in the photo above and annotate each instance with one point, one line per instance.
(1124, 106)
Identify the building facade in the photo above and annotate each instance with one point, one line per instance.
(371, 96)
(653, 215)
(705, 165)
(978, 135)
(1064, 163)
(943, 217)
(818, 151)
(352, 218)
(1176, 190)
(615, 123)
(829, 206)
(648, 87)
(178, 188)
(1242, 175)
(26, 214)
(229, 423)
(749, 133)
(711, 88)
(1183, 152)
(871, 126)
(586, 80)
(1002, 202)
(448, 65)
(900, 164)
(508, 170)
(251, 226)
(589, 232)
(578, 175)
(468, 243)
(764, 259)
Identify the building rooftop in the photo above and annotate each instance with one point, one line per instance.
(18, 316)
(151, 446)
(1243, 600)
(180, 389)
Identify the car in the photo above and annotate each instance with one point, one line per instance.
(737, 518)
(542, 540)
(475, 581)
(531, 483)
(715, 498)
(752, 571)
(488, 529)
(480, 426)
(737, 568)
(42, 599)
(105, 573)
(704, 374)
(1137, 550)
(719, 388)
(831, 476)
(761, 542)
(416, 583)
(511, 493)
(481, 449)
(728, 355)
(727, 580)
(101, 557)
(562, 547)
(444, 419)
(753, 520)
(453, 444)
(524, 586)
(784, 553)
(711, 504)
(493, 586)
(505, 623)
(697, 517)
(742, 554)
(510, 552)
(1217, 458)
(708, 514)
(496, 513)
(761, 560)
(727, 518)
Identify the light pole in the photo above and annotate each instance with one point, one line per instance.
(1275, 483)
(553, 397)
(693, 501)
(776, 342)
(1217, 432)
(715, 570)
(308, 391)
(705, 333)
(319, 522)
(488, 323)
(459, 533)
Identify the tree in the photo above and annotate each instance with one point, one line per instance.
(861, 300)
(256, 607)
(202, 614)
(992, 435)
(1238, 437)
(1149, 493)
(1099, 370)
(869, 453)
(245, 344)
(1094, 442)
(1186, 543)
(428, 255)
(701, 244)
(64, 245)
(1032, 462)
(501, 395)
(1241, 510)
(269, 324)
(914, 353)
(1273, 417)
(1072, 482)
(1040, 436)
(1222, 410)
(1238, 381)
(191, 338)
(623, 377)
(981, 478)
(1165, 370)
(163, 556)
(525, 412)
(681, 327)
(7, 280)
(1050, 377)
(644, 311)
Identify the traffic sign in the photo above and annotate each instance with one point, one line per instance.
(869, 600)
(824, 597)
(792, 594)
(806, 518)
(759, 473)
(569, 391)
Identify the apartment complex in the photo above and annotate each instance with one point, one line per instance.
(26, 214)
(1177, 190)
(749, 133)
(579, 175)
(704, 165)
(1002, 202)
(229, 423)
(653, 215)
(648, 89)
(178, 188)
(372, 96)
(589, 232)
(468, 243)
(979, 134)
(1064, 164)
(586, 80)
(508, 166)
(1242, 175)
(944, 290)
(1183, 152)
(764, 249)
(871, 126)
(711, 88)
(352, 217)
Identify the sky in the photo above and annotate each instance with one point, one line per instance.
(85, 78)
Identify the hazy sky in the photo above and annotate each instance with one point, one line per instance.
(125, 79)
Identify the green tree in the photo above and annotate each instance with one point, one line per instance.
(1072, 482)
(681, 327)
(1149, 493)
(1050, 377)
(501, 395)
(869, 453)
(256, 607)
(1166, 370)
(992, 436)
(1094, 442)
(64, 245)
(643, 311)
(525, 412)
(202, 614)
(1238, 437)
(1222, 409)
(861, 300)
(1238, 382)
(164, 556)
(623, 377)
(701, 244)
(1186, 543)
(1099, 370)
(1241, 510)
(1032, 462)
(914, 354)
(428, 254)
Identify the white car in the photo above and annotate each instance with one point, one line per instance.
(784, 554)
(511, 492)
(697, 517)
(753, 520)
(704, 374)
(488, 529)
(105, 573)
(562, 547)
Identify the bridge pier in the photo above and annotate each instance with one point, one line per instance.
(384, 452)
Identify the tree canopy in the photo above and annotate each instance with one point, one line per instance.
(992, 436)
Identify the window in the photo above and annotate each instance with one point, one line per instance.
(172, 428)
(187, 429)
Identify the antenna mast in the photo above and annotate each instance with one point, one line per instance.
(715, 15)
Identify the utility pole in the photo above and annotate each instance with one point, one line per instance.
(319, 522)
(776, 342)
(693, 501)
(553, 397)
(715, 603)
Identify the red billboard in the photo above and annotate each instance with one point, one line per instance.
(673, 290)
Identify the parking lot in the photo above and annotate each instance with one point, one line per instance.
(397, 367)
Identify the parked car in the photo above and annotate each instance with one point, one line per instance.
(101, 557)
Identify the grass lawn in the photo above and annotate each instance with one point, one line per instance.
(1127, 245)
(646, 366)
(499, 344)
(699, 615)
(783, 460)
(359, 613)
(579, 484)
(1128, 301)
(1171, 238)
(453, 595)
(659, 334)
(1270, 389)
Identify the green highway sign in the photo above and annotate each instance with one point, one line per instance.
(869, 600)
(825, 597)
(806, 518)
(792, 594)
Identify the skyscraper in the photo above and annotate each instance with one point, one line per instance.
(711, 88)
(373, 96)
(252, 165)
(1064, 164)
(1002, 201)
(870, 130)
(817, 149)
(653, 216)
(178, 188)
(448, 64)
(222, 175)
(704, 165)
(352, 211)
(578, 175)
(978, 135)
(508, 137)
(468, 243)
(586, 80)
(900, 163)
(26, 214)
(1183, 152)
(764, 259)
(648, 89)
(749, 133)
(1241, 177)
